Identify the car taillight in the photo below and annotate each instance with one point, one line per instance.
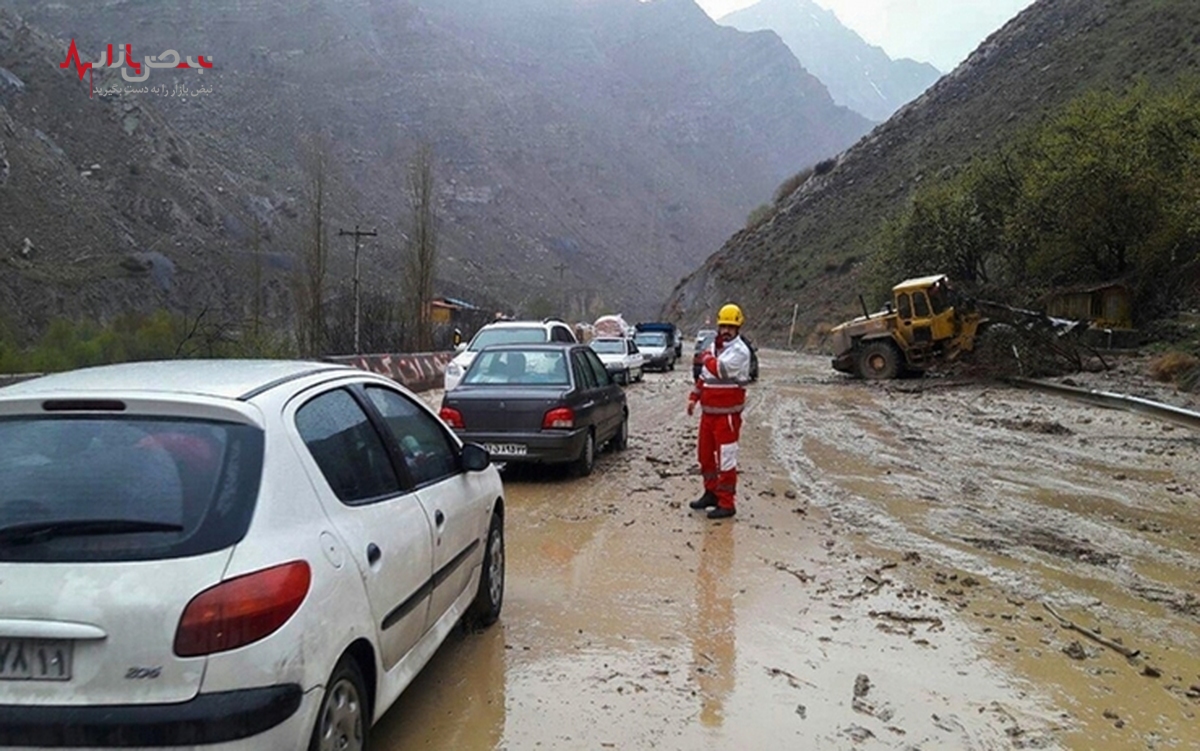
(452, 417)
(561, 417)
(242, 610)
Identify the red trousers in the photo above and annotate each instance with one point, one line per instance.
(718, 449)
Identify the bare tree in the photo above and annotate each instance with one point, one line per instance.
(314, 263)
(421, 261)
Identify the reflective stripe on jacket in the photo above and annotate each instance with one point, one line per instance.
(723, 377)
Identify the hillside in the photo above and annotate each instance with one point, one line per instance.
(585, 152)
(809, 253)
(858, 75)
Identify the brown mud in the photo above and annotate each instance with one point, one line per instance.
(881, 587)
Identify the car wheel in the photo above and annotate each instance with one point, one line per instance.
(641, 374)
(343, 721)
(670, 364)
(587, 458)
(485, 609)
(620, 441)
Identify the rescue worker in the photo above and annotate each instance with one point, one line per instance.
(721, 392)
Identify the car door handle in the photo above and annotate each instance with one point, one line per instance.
(373, 553)
(439, 518)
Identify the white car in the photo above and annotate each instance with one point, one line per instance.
(505, 332)
(230, 554)
(621, 357)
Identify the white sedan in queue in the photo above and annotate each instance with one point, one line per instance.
(230, 554)
(621, 357)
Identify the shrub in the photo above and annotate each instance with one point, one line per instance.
(759, 216)
(1173, 366)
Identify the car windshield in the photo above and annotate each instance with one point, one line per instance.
(609, 346)
(508, 335)
(124, 488)
(519, 368)
(650, 339)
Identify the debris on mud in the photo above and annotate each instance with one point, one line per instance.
(1075, 650)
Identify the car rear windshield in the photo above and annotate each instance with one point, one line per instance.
(530, 368)
(650, 340)
(508, 335)
(124, 488)
(609, 346)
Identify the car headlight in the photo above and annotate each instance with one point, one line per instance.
(454, 370)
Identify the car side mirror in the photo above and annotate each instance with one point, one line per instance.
(460, 347)
(475, 458)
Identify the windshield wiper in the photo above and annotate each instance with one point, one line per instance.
(32, 532)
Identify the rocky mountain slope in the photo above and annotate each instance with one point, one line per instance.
(808, 254)
(586, 152)
(858, 75)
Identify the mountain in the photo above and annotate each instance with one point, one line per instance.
(858, 75)
(808, 254)
(586, 151)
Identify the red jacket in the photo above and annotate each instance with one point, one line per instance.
(724, 373)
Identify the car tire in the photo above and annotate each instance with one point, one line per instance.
(343, 720)
(485, 608)
(620, 441)
(670, 364)
(583, 466)
(879, 361)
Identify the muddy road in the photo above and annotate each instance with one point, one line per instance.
(883, 585)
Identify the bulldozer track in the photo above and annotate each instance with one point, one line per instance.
(1112, 400)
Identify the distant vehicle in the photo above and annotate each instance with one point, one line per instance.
(657, 348)
(611, 326)
(230, 554)
(621, 356)
(506, 332)
(539, 403)
(706, 342)
(674, 335)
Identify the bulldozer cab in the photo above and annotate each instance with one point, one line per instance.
(925, 312)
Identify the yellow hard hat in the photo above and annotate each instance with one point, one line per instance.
(730, 315)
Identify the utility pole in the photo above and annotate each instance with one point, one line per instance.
(357, 234)
(560, 268)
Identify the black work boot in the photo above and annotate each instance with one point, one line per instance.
(708, 500)
(720, 512)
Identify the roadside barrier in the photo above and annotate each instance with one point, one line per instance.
(1114, 401)
(11, 378)
(419, 371)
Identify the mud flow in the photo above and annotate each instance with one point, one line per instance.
(884, 584)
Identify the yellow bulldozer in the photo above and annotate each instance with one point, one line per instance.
(929, 323)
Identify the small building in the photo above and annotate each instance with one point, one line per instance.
(1106, 306)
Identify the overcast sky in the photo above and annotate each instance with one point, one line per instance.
(942, 32)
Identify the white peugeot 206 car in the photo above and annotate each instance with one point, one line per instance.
(230, 554)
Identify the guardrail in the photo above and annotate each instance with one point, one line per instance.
(1111, 400)
(8, 379)
(419, 371)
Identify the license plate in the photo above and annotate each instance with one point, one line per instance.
(505, 449)
(35, 660)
